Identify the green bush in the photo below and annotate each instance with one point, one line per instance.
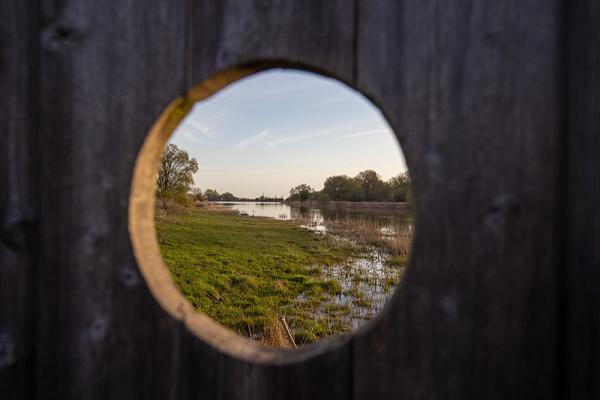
(179, 197)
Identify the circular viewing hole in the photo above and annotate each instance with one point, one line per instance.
(277, 209)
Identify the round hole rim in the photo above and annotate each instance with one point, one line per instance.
(142, 231)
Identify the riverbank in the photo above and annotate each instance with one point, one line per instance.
(246, 273)
(353, 204)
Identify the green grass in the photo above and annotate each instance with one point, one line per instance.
(242, 271)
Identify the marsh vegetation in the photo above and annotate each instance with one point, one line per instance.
(250, 266)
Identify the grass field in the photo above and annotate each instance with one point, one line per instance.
(248, 272)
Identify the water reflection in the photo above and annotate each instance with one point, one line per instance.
(391, 218)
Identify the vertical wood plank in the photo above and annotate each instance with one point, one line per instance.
(109, 68)
(472, 91)
(102, 86)
(312, 33)
(213, 375)
(18, 197)
(582, 198)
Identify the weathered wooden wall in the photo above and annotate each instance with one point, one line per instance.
(19, 211)
(475, 98)
(581, 228)
(494, 102)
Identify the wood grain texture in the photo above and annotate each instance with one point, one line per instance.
(471, 89)
(209, 374)
(318, 35)
(488, 99)
(582, 194)
(18, 197)
(109, 68)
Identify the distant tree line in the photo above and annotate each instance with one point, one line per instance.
(213, 195)
(175, 180)
(366, 186)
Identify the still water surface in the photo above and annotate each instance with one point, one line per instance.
(390, 219)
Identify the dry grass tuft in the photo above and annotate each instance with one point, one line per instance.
(216, 208)
(274, 334)
(400, 243)
(166, 207)
(369, 233)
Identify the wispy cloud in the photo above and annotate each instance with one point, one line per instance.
(365, 133)
(336, 129)
(202, 130)
(196, 132)
(254, 139)
(294, 139)
(190, 136)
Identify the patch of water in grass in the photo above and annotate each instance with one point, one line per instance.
(366, 285)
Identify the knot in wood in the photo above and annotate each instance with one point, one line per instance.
(62, 36)
(7, 350)
(18, 233)
(98, 329)
(502, 208)
(129, 277)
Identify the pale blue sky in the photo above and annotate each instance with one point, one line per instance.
(277, 129)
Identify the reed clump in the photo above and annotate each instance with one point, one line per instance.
(274, 334)
(365, 232)
(215, 208)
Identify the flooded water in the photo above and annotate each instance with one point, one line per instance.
(366, 281)
(389, 219)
